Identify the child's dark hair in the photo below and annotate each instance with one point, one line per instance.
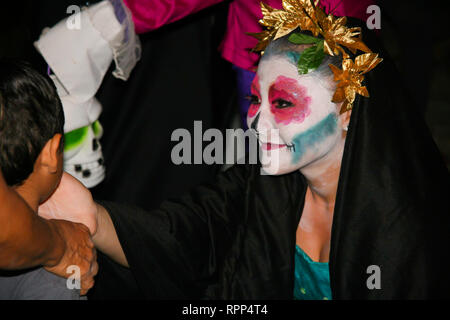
(30, 115)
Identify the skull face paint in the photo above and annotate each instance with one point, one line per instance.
(293, 115)
(255, 99)
(288, 100)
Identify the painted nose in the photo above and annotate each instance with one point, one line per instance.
(265, 128)
(264, 124)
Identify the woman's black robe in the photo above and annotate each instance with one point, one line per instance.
(235, 239)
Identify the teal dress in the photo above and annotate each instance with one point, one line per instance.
(312, 279)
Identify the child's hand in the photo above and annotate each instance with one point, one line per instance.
(71, 201)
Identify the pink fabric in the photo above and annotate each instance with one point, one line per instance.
(151, 14)
(243, 16)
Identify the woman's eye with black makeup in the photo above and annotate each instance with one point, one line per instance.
(253, 99)
(281, 103)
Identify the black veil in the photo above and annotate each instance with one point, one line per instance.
(233, 239)
(392, 208)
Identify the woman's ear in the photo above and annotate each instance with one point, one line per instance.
(345, 119)
(51, 153)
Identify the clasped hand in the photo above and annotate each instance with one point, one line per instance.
(73, 202)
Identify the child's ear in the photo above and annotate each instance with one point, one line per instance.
(51, 153)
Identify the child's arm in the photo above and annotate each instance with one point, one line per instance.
(27, 240)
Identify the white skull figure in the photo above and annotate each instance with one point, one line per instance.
(79, 59)
(83, 157)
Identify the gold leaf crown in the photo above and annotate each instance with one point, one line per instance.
(308, 16)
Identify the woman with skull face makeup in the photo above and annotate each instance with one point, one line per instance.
(365, 190)
(300, 129)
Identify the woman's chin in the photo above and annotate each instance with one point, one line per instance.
(276, 169)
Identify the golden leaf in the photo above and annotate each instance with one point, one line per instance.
(367, 61)
(266, 9)
(292, 6)
(263, 38)
(339, 95)
(351, 76)
(308, 16)
(362, 91)
(346, 106)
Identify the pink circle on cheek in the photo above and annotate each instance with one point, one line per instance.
(293, 114)
(300, 109)
(253, 110)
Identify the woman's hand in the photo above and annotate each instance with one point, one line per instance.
(71, 201)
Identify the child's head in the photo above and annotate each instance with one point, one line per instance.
(31, 128)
